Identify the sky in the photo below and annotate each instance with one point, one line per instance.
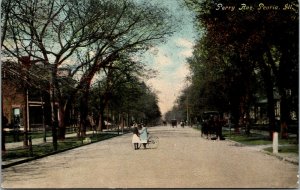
(169, 59)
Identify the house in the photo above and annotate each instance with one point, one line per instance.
(21, 96)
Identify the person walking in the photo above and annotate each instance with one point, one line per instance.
(135, 138)
(182, 123)
(143, 135)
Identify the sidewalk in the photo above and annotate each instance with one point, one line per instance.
(36, 141)
(289, 157)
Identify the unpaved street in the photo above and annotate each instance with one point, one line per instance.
(183, 159)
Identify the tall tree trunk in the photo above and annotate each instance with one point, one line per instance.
(100, 122)
(283, 84)
(4, 124)
(269, 88)
(245, 116)
(61, 123)
(271, 107)
(101, 113)
(54, 121)
(26, 63)
(25, 116)
(284, 116)
(84, 113)
(84, 106)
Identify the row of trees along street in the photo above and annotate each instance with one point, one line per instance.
(242, 57)
(96, 42)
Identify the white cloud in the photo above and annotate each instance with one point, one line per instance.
(184, 43)
(167, 95)
(170, 61)
(182, 71)
(169, 83)
(187, 53)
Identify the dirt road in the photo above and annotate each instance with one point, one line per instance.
(182, 160)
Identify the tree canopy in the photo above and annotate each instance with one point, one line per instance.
(87, 37)
(245, 50)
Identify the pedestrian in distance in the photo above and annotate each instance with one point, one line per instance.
(135, 138)
(182, 123)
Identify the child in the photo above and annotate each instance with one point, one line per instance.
(135, 138)
(143, 135)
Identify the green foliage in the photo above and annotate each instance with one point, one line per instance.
(129, 95)
(241, 54)
(253, 139)
(260, 138)
(90, 38)
(285, 149)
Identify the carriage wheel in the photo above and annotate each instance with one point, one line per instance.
(153, 142)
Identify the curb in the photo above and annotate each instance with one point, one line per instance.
(290, 160)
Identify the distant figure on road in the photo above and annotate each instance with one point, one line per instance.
(174, 123)
(143, 135)
(182, 124)
(135, 138)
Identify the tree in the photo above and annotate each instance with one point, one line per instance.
(101, 30)
(111, 84)
(251, 37)
(125, 93)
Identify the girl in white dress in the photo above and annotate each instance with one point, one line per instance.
(135, 138)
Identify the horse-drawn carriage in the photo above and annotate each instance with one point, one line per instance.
(211, 125)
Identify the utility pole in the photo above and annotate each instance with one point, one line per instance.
(43, 119)
(187, 102)
(26, 129)
(187, 110)
(26, 62)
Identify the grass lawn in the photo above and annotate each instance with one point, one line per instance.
(47, 148)
(252, 139)
(285, 149)
(289, 145)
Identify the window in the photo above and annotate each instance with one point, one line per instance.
(16, 116)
